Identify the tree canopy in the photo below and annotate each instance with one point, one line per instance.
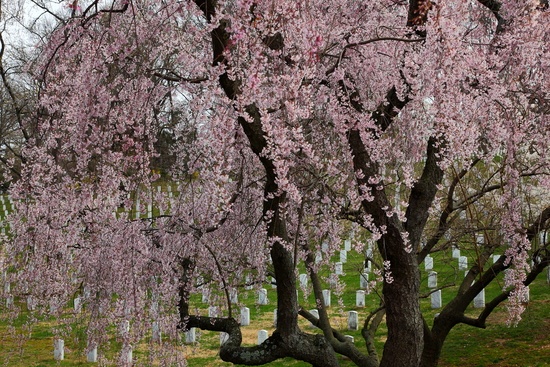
(288, 123)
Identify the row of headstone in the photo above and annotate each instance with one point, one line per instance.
(190, 335)
(126, 353)
(478, 302)
(436, 302)
(91, 355)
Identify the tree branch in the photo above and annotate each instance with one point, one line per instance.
(8, 87)
(423, 193)
(494, 6)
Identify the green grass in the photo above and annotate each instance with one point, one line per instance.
(528, 344)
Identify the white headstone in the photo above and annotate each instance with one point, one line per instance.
(339, 268)
(127, 309)
(262, 336)
(248, 286)
(138, 211)
(432, 279)
(155, 306)
(436, 299)
(324, 246)
(349, 338)
(315, 313)
(495, 258)
(303, 280)
(479, 300)
(364, 280)
(30, 303)
(223, 337)
(369, 253)
(326, 297)
(318, 257)
(205, 295)
(548, 275)
(124, 327)
(368, 268)
(156, 333)
(190, 335)
(360, 298)
(343, 256)
(233, 296)
(428, 263)
(91, 356)
(527, 294)
(87, 292)
(9, 301)
(58, 349)
(347, 245)
(456, 252)
(245, 316)
(275, 318)
(273, 283)
(77, 303)
(213, 311)
(480, 239)
(262, 296)
(7, 288)
(126, 357)
(462, 263)
(353, 320)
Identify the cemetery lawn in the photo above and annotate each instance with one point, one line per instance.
(526, 345)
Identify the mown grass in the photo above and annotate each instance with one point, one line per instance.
(527, 344)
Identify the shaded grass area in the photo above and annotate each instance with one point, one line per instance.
(528, 344)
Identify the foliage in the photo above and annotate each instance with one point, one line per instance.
(290, 120)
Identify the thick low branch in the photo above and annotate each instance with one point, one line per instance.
(480, 321)
(370, 326)
(231, 350)
(341, 344)
(338, 341)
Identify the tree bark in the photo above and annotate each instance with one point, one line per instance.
(287, 340)
(403, 316)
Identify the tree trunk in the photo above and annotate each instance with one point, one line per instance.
(402, 284)
(433, 341)
(403, 317)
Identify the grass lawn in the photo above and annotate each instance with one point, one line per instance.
(528, 344)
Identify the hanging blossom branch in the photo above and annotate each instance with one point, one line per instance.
(363, 43)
